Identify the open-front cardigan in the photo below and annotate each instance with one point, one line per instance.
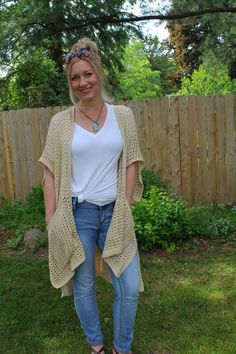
(66, 252)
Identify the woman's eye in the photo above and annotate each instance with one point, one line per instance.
(74, 78)
(89, 74)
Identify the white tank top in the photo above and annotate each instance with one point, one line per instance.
(95, 161)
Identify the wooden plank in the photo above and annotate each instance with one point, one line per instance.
(184, 149)
(23, 154)
(43, 126)
(211, 157)
(156, 133)
(166, 154)
(162, 140)
(175, 146)
(30, 159)
(8, 153)
(36, 146)
(147, 113)
(220, 149)
(48, 115)
(230, 151)
(193, 150)
(141, 127)
(3, 174)
(154, 123)
(202, 142)
(15, 153)
(19, 121)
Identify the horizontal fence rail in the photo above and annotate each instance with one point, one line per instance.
(190, 140)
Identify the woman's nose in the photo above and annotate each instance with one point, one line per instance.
(83, 81)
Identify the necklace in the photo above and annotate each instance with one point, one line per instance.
(95, 125)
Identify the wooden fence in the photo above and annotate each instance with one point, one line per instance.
(190, 140)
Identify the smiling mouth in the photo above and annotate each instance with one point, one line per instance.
(85, 89)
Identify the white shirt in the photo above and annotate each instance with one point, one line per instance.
(95, 161)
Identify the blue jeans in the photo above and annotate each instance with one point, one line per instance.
(92, 223)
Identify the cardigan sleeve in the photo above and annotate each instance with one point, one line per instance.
(47, 157)
(134, 154)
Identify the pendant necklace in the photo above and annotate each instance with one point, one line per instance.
(95, 125)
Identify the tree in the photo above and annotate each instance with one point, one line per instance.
(138, 80)
(51, 27)
(55, 25)
(33, 81)
(161, 59)
(208, 80)
(193, 39)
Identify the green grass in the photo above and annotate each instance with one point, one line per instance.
(188, 307)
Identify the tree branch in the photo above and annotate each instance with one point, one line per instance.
(117, 20)
(172, 16)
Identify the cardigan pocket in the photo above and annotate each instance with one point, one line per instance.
(128, 224)
(51, 222)
(61, 247)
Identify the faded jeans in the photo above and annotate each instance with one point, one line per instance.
(92, 223)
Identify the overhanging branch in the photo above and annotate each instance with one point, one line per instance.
(111, 20)
(174, 16)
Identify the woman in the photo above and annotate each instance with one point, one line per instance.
(92, 176)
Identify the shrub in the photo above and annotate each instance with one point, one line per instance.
(21, 216)
(151, 178)
(159, 220)
(165, 221)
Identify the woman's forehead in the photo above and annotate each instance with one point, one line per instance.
(81, 66)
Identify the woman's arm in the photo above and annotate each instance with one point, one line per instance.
(131, 174)
(49, 195)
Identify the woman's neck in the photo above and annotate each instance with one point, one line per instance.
(90, 106)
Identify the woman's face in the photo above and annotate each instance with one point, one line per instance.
(84, 81)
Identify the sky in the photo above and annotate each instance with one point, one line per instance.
(153, 27)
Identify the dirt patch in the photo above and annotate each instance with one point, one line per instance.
(189, 248)
(193, 248)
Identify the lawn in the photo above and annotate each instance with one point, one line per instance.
(188, 307)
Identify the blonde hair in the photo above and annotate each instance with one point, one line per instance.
(94, 60)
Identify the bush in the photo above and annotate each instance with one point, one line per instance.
(163, 220)
(22, 216)
(159, 220)
(151, 178)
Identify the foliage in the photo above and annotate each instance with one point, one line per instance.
(3, 94)
(138, 80)
(161, 58)
(22, 216)
(192, 39)
(151, 178)
(208, 80)
(164, 221)
(51, 28)
(36, 82)
(159, 220)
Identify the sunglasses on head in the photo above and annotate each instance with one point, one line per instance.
(81, 53)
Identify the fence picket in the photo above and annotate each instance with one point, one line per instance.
(191, 141)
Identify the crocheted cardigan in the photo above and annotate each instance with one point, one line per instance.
(65, 248)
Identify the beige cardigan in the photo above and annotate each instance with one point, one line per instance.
(65, 248)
